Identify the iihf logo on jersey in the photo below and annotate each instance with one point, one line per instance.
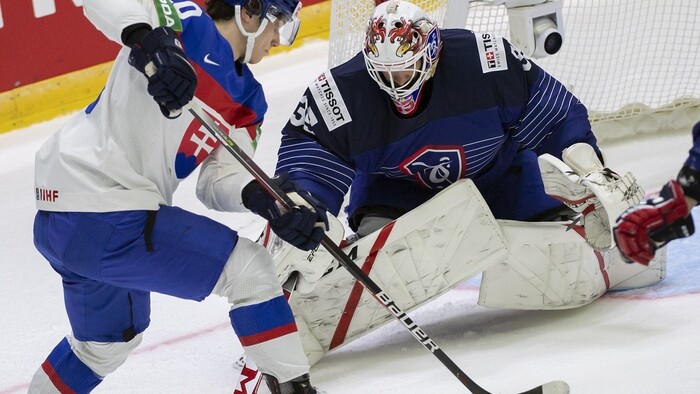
(436, 167)
(196, 145)
(50, 195)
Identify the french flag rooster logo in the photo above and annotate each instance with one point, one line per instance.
(436, 167)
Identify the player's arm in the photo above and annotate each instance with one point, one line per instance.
(642, 229)
(222, 177)
(689, 176)
(225, 185)
(551, 117)
(309, 160)
(554, 124)
(117, 17)
(155, 52)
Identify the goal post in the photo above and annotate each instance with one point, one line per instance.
(634, 64)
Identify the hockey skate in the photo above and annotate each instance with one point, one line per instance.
(300, 385)
(598, 194)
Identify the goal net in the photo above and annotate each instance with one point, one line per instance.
(633, 63)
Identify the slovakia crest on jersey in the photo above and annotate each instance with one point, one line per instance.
(436, 167)
(196, 145)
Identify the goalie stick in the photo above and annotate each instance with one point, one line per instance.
(554, 387)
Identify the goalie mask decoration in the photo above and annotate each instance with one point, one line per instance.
(401, 52)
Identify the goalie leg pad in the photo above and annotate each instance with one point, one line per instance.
(547, 268)
(414, 259)
(626, 276)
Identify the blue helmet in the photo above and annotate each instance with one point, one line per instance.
(284, 13)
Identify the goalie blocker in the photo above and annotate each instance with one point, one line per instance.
(429, 250)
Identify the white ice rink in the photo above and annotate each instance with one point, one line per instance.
(642, 341)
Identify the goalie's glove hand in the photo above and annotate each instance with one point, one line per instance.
(303, 226)
(172, 80)
(644, 228)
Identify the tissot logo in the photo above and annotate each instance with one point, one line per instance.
(487, 44)
(327, 92)
(491, 52)
(329, 101)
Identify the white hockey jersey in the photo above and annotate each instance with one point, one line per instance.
(120, 152)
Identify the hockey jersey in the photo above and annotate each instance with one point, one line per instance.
(120, 153)
(693, 160)
(484, 104)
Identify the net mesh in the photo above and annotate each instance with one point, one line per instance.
(621, 58)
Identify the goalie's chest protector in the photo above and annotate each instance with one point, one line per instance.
(472, 100)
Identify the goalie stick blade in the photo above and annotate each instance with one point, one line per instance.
(553, 387)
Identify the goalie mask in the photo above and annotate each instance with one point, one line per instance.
(401, 51)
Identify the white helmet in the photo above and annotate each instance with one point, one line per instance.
(400, 37)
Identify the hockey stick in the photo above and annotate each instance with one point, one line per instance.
(554, 387)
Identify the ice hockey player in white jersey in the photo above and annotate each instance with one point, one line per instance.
(105, 184)
(461, 156)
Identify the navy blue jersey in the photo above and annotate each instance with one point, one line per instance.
(693, 160)
(485, 104)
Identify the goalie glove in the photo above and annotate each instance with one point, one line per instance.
(302, 226)
(644, 228)
(598, 194)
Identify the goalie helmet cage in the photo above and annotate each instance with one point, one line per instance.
(634, 64)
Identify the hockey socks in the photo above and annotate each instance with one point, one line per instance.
(268, 333)
(64, 371)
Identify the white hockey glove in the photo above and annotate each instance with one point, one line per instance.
(600, 195)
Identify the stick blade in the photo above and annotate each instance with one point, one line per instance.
(553, 387)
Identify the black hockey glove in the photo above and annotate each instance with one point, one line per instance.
(644, 228)
(303, 226)
(158, 54)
